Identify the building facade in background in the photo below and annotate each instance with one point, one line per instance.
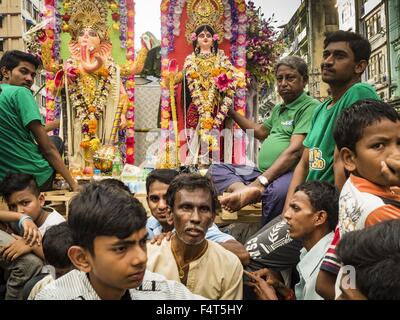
(304, 36)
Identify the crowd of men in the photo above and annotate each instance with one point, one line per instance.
(328, 179)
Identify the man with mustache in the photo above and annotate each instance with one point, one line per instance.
(108, 228)
(158, 225)
(25, 145)
(205, 267)
(345, 57)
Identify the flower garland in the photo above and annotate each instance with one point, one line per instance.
(219, 94)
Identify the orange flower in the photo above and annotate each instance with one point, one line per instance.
(194, 75)
(92, 109)
(207, 123)
(215, 72)
(241, 7)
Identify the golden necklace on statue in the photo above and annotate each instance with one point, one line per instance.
(181, 268)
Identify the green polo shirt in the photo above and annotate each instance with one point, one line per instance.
(285, 121)
(319, 141)
(18, 150)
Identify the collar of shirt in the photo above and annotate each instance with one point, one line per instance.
(310, 260)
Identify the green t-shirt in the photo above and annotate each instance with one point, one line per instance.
(18, 149)
(294, 119)
(320, 140)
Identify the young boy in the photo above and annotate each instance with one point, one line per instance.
(108, 228)
(311, 217)
(22, 195)
(367, 135)
(56, 242)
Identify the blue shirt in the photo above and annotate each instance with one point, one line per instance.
(154, 228)
(308, 269)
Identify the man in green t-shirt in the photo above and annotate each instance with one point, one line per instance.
(283, 134)
(25, 146)
(345, 57)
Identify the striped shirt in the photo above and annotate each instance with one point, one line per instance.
(75, 285)
(361, 204)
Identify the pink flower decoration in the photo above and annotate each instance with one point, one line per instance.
(216, 37)
(193, 36)
(222, 82)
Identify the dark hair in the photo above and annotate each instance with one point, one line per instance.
(11, 59)
(56, 242)
(161, 175)
(115, 183)
(192, 182)
(209, 29)
(296, 63)
(323, 196)
(14, 182)
(358, 44)
(101, 210)
(374, 252)
(352, 121)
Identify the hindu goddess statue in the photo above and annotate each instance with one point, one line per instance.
(95, 93)
(210, 82)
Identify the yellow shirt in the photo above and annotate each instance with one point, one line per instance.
(216, 275)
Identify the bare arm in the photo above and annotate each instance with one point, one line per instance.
(338, 169)
(299, 176)
(50, 152)
(260, 132)
(51, 125)
(238, 249)
(285, 161)
(325, 285)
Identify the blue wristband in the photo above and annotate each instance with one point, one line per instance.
(21, 220)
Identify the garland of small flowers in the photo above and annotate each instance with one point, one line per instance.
(209, 120)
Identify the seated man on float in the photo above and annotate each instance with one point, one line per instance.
(203, 266)
(282, 135)
(157, 184)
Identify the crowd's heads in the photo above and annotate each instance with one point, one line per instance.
(358, 44)
(56, 242)
(374, 253)
(323, 196)
(352, 122)
(115, 183)
(162, 175)
(101, 210)
(14, 182)
(192, 182)
(296, 63)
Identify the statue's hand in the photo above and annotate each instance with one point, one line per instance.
(122, 124)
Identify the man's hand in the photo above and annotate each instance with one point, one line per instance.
(15, 250)
(262, 289)
(31, 233)
(159, 238)
(391, 170)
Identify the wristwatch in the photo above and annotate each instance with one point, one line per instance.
(263, 180)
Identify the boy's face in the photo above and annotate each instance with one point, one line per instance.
(157, 201)
(23, 75)
(117, 264)
(338, 64)
(27, 203)
(192, 215)
(300, 216)
(379, 141)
